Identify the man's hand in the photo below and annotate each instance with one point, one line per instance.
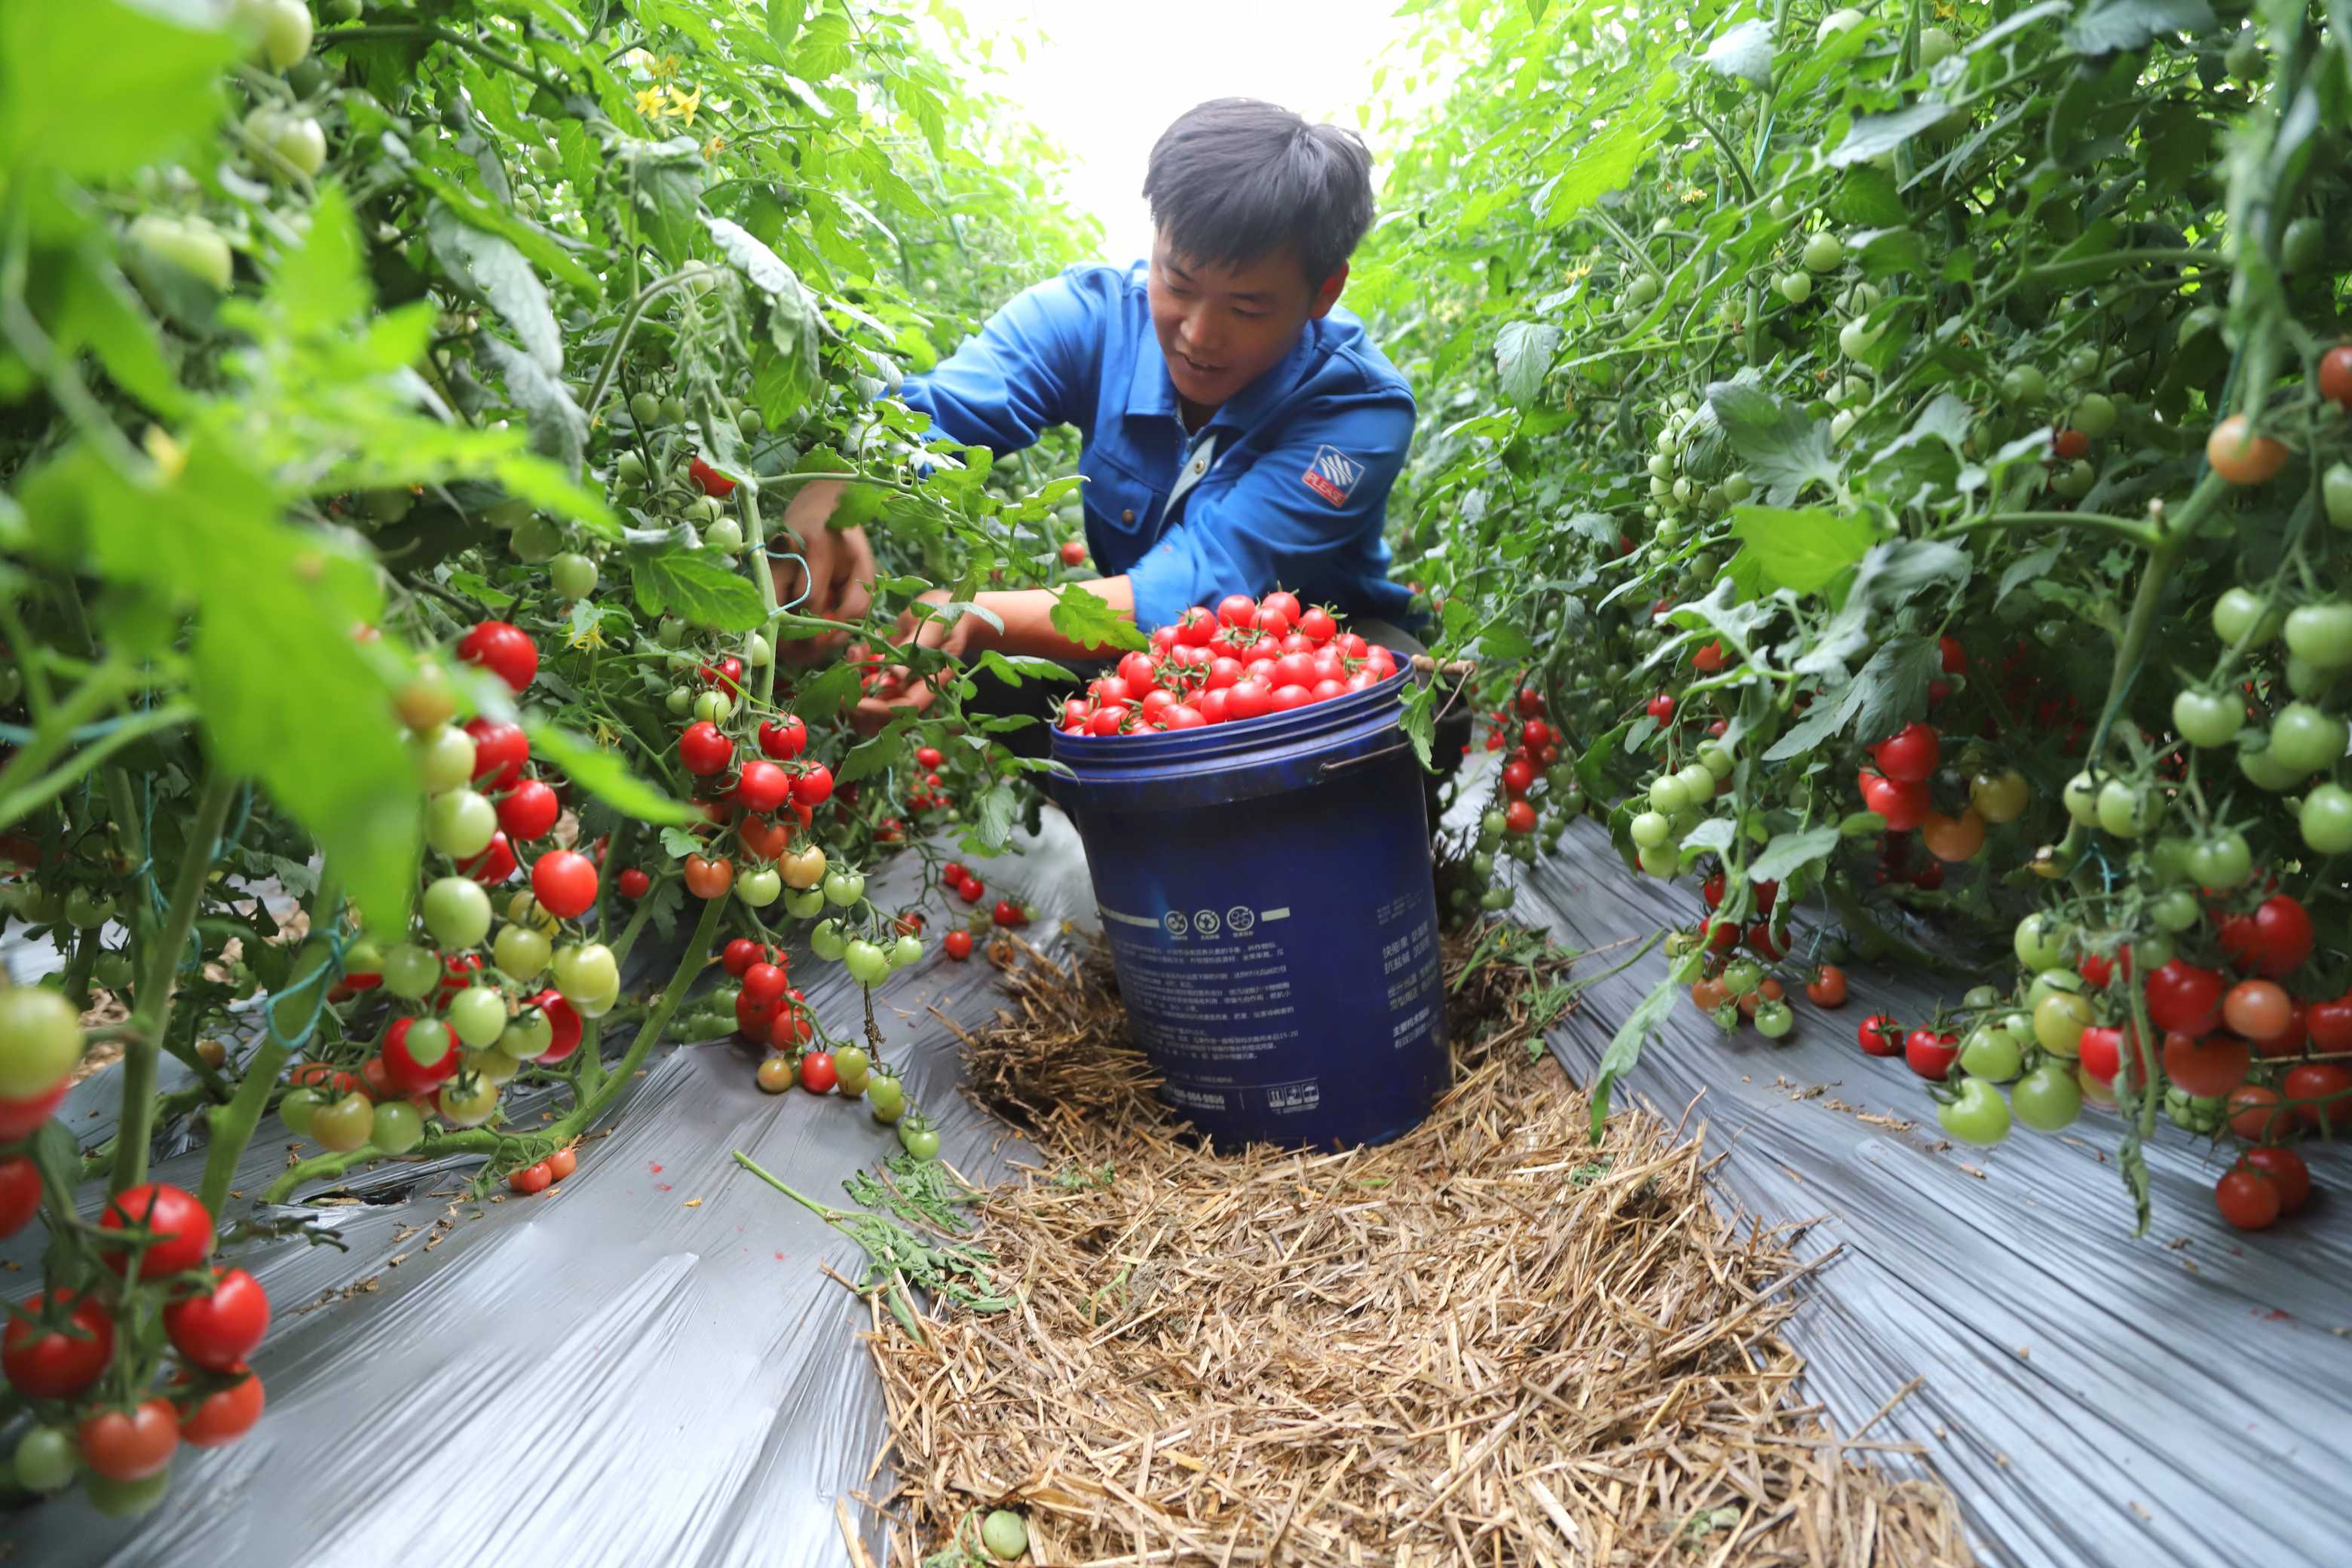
(916, 628)
(839, 583)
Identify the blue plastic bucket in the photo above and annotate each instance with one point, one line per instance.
(1265, 888)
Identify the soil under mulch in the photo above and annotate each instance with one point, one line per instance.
(1491, 1341)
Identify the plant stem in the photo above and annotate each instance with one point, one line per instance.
(233, 1125)
(451, 37)
(155, 988)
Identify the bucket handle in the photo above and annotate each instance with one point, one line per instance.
(1461, 669)
(1327, 769)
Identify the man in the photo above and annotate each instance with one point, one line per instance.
(1240, 433)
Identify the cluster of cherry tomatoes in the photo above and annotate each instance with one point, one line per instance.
(155, 1242)
(773, 1016)
(1538, 796)
(1246, 659)
(1732, 985)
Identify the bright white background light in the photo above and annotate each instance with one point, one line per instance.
(1104, 78)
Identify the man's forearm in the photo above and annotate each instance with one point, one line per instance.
(1027, 614)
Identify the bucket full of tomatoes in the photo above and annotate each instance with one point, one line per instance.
(1264, 881)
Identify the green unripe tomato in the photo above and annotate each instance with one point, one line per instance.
(1935, 47)
(1992, 1054)
(2073, 481)
(457, 915)
(827, 940)
(1824, 252)
(2264, 771)
(1642, 289)
(1715, 760)
(906, 950)
(716, 706)
(805, 903)
(2093, 414)
(1742, 976)
(2206, 719)
(2126, 811)
(587, 970)
(1698, 782)
(2242, 617)
(535, 539)
(1005, 1535)
(2326, 819)
(2304, 739)
(2222, 862)
(843, 889)
(2335, 490)
(2082, 799)
(1795, 287)
(459, 824)
(527, 1036)
(396, 1127)
(2302, 246)
(572, 576)
(2053, 982)
(2321, 635)
(673, 408)
(296, 1107)
(679, 699)
(410, 971)
(2058, 1021)
(757, 653)
(86, 910)
(1858, 337)
(760, 887)
(1659, 860)
(2174, 909)
(189, 245)
(726, 536)
(868, 965)
(445, 760)
(478, 1015)
(1669, 794)
(342, 1125)
(469, 1103)
(40, 1040)
(1649, 829)
(2024, 383)
(521, 951)
(2040, 940)
(46, 1458)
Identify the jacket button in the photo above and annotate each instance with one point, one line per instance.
(1127, 516)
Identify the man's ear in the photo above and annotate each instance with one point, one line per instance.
(1328, 295)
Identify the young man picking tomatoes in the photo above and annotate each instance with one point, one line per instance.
(1240, 432)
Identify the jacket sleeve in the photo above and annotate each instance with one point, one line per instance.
(1028, 369)
(1308, 512)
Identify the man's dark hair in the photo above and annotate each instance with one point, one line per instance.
(1236, 179)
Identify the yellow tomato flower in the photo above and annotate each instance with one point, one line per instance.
(684, 104)
(654, 103)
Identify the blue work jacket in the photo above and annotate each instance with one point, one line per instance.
(1293, 490)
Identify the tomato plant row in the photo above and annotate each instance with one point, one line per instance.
(1899, 463)
(398, 408)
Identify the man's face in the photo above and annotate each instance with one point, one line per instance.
(1220, 327)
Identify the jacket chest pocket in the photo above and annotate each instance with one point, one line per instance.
(1118, 502)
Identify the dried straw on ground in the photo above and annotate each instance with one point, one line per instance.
(1489, 1342)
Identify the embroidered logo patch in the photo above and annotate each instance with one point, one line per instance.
(1332, 474)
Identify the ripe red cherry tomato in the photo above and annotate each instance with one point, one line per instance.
(130, 1446)
(562, 1162)
(182, 1228)
(762, 786)
(2184, 999)
(958, 945)
(222, 1417)
(20, 1193)
(1880, 1035)
(1519, 817)
(2286, 1170)
(634, 884)
(2248, 1197)
(739, 955)
(2336, 374)
(504, 649)
(1903, 805)
(817, 1073)
(703, 750)
(563, 1020)
(1929, 1053)
(499, 752)
(814, 786)
(1661, 708)
(2072, 445)
(43, 1362)
(494, 865)
(219, 1329)
(528, 811)
(784, 737)
(710, 480)
(1910, 755)
(2321, 1093)
(2256, 1115)
(1827, 986)
(764, 982)
(532, 1178)
(2206, 1068)
(1519, 776)
(564, 882)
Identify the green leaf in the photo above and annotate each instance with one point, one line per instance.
(1781, 449)
(1625, 1048)
(99, 309)
(604, 774)
(993, 817)
(1712, 836)
(784, 22)
(1523, 355)
(1088, 621)
(490, 266)
(544, 253)
(97, 88)
(1805, 550)
(559, 430)
(1743, 53)
(663, 180)
(828, 694)
(2026, 568)
(2107, 27)
(477, 587)
(1607, 162)
(1789, 851)
(1871, 135)
(1013, 668)
(694, 585)
(318, 287)
(1892, 686)
(876, 754)
(1867, 198)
